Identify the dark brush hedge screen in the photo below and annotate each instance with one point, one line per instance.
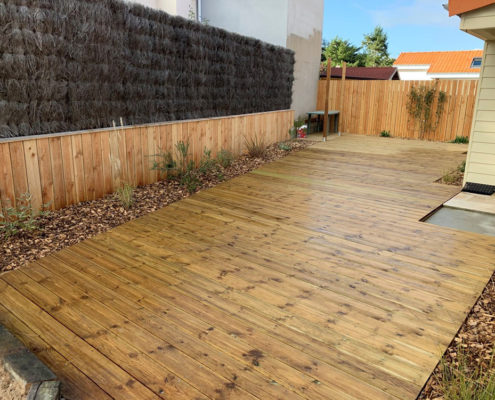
(70, 65)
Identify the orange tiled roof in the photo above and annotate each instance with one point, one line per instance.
(442, 61)
(457, 7)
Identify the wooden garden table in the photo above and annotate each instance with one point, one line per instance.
(335, 113)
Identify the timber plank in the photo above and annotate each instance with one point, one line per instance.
(288, 282)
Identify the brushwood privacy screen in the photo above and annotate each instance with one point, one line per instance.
(69, 65)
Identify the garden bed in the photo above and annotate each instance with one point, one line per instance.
(467, 364)
(75, 223)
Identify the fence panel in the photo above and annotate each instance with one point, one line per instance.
(369, 107)
(67, 168)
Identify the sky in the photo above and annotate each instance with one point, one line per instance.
(411, 25)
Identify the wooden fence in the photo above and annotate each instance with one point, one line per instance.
(64, 169)
(369, 107)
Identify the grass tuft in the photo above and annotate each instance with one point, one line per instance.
(454, 177)
(125, 194)
(256, 147)
(225, 158)
(460, 382)
(460, 139)
(385, 134)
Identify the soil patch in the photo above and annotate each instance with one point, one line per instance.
(10, 389)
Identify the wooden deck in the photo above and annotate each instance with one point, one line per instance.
(310, 278)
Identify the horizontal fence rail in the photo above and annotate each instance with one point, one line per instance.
(370, 107)
(65, 169)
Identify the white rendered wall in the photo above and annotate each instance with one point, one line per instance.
(172, 7)
(415, 74)
(305, 22)
(262, 19)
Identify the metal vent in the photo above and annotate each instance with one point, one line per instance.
(479, 188)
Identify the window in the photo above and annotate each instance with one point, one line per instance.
(476, 63)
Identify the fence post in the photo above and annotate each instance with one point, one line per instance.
(327, 93)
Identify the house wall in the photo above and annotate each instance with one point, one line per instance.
(305, 22)
(480, 166)
(172, 7)
(420, 73)
(295, 24)
(261, 19)
(413, 73)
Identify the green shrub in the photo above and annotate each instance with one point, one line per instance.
(164, 163)
(385, 134)
(460, 139)
(183, 163)
(225, 158)
(20, 217)
(256, 147)
(171, 166)
(284, 146)
(207, 164)
(125, 194)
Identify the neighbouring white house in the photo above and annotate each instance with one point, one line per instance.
(429, 65)
(478, 19)
(294, 24)
(183, 8)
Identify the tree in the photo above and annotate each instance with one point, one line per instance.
(340, 50)
(324, 44)
(376, 49)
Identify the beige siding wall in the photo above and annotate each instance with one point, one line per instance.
(480, 166)
(480, 23)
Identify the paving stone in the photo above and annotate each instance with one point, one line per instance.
(49, 390)
(26, 368)
(8, 343)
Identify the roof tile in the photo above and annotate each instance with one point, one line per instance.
(442, 61)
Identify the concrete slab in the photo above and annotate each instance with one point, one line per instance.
(464, 220)
(473, 202)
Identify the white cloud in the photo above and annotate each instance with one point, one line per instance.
(413, 12)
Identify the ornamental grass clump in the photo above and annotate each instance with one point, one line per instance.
(256, 147)
(21, 217)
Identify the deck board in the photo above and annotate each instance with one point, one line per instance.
(309, 278)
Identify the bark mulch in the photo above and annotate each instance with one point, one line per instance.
(473, 346)
(75, 223)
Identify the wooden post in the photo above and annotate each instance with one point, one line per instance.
(327, 94)
(344, 70)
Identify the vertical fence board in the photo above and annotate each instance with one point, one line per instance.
(7, 193)
(78, 167)
(46, 175)
(68, 171)
(18, 163)
(33, 173)
(97, 165)
(58, 172)
(88, 162)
